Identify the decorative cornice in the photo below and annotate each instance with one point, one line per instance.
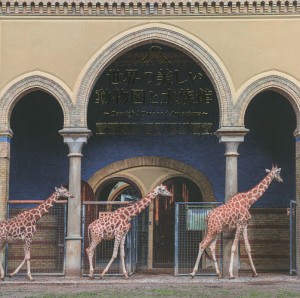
(147, 8)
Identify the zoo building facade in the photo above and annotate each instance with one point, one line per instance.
(114, 98)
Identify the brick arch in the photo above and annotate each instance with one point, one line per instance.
(283, 85)
(183, 170)
(164, 34)
(30, 83)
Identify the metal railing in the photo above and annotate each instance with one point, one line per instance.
(189, 231)
(48, 245)
(293, 218)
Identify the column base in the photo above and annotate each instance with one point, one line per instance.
(73, 257)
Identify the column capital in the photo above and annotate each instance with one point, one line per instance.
(231, 137)
(5, 138)
(6, 134)
(231, 134)
(75, 137)
(297, 135)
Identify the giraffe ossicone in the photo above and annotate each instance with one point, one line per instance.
(23, 226)
(234, 215)
(116, 226)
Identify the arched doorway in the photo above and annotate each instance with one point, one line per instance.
(37, 166)
(183, 190)
(38, 155)
(118, 189)
(144, 173)
(271, 121)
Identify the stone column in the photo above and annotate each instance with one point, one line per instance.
(5, 138)
(297, 149)
(231, 137)
(75, 138)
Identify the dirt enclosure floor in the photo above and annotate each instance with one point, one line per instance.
(141, 285)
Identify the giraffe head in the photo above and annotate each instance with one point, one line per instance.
(162, 190)
(275, 173)
(63, 193)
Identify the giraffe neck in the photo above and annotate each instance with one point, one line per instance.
(257, 191)
(141, 205)
(43, 208)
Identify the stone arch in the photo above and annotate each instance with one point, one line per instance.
(161, 33)
(276, 82)
(182, 169)
(29, 83)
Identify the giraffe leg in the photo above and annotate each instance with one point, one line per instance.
(90, 252)
(212, 247)
(115, 253)
(26, 259)
(202, 245)
(30, 278)
(233, 249)
(18, 268)
(122, 255)
(248, 250)
(1, 267)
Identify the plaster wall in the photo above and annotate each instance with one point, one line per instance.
(246, 46)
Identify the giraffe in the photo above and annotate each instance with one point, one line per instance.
(23, 226)
(116, 225)
(234, 215)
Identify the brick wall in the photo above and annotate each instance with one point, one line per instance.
(269, 237)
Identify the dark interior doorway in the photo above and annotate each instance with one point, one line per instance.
(118, 190)
(38, 154)
(271, 121)
(183, 190)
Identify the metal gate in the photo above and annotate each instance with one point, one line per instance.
(134, 245)
(293, 216)
(189, 231)
(48, 245)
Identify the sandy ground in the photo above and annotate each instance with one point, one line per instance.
(141, 285)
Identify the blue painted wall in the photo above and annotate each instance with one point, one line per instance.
(39, 159)
(203, 153)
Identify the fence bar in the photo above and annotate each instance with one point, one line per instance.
(34, 202)
(176, 238)
(106, 203)
(293, 269)
(65, 236)
(82, 233)
(6, 244)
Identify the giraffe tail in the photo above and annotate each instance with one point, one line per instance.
(207, 254)
(89, 236)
